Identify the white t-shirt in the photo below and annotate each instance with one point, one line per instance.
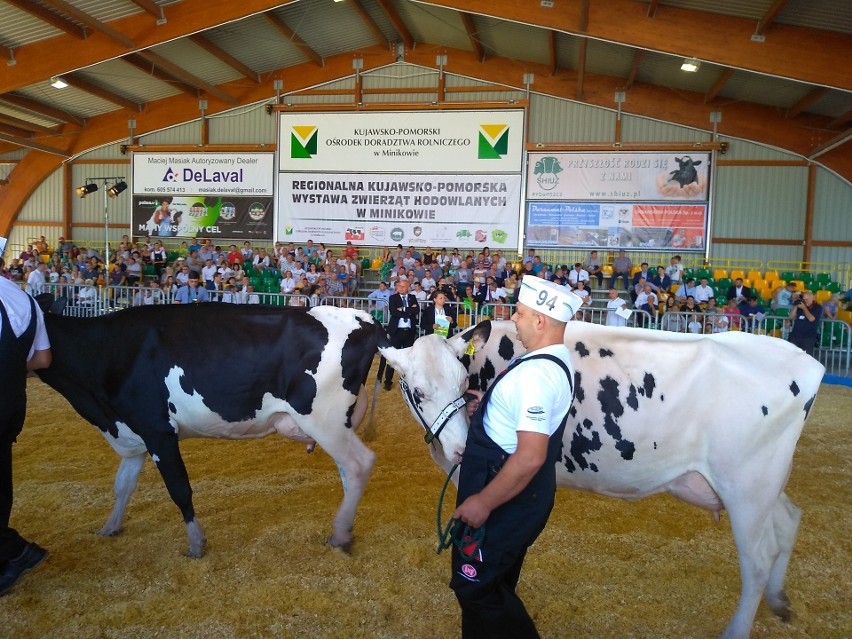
(534, 396)
(19, 310)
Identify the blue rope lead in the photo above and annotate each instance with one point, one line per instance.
(457, 532)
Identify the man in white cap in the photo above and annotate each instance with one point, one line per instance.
(507, 482)
(24, 346)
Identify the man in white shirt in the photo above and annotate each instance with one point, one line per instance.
(615, 303)
(35, 280)
(675, 270)
(208, 271)
(577, 274)
(703, 292)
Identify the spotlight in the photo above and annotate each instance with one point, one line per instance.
(691, 65)
(58, 83)
(118, 187)
(84, 190)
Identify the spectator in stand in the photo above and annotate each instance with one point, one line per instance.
(545, 272)
(379, 298)
(215, 288)
(594, 266)
(438, 318)
(36, 280)
(646, 300)
(621, 267)
(739, 292)
(247, 252)
(208, 271)
(693, 324)
(530, 258)
(636, 289)
(615, 303)
(703, 292)
(752, 312)
(643, 273)
(583, 293)
(732, 311)
(675, 270)
(455, 260)
(536, 265)
(831, 306)
(260, 262)
(192, 292)
(671, 320)
(463, 276)
(510, 285)
(560, 276)
(806, 315)
(63, 247)
(419, 270)
(134, 271)
(577, 274)
(685, 290)
(234, 256)
(661, 281)
(690, 306)
(183, 274)
(288, 283)
(782, 296)
(419, 293)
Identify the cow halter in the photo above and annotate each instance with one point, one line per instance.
(441, 420)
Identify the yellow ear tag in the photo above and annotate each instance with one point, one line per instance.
(470, 348)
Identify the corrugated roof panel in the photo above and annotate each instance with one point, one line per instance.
(832, 194)
(401, 76)
(606, 58)
(26, 116)
(662, 69)
(639, 129)
(743, 150)
(831, 15)
(68, 99)
(374, 10)
(435, 25)
(18, 28)
(833, 104)
(514, 40)
(555, 120)
(246, 125)
(127, 81)
(763, 89)
(328, 28)
(256, 43)
(195, 60)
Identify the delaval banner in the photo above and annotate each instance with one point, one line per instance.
(619, 177)
(215, 195)
(442, 178)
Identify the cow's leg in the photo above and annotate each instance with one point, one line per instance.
(124, 485)
(785, 520)
(355, 463)
(165, 453)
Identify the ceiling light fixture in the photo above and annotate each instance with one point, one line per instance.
(84, 190)
(58, 83)
(690, 65)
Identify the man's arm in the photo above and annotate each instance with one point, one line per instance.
(520, 468)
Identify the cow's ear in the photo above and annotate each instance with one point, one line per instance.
(476, 336)
(399, 358)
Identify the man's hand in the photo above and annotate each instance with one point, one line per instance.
(472, 402)
(473, 511)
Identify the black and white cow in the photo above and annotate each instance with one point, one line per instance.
(148, 377)
(646, 419)
(685, 173)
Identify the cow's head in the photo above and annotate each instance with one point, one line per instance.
(433, 382)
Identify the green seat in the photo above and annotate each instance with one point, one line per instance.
(267, 274)
(834, 287)
(781, 312)
(703, 272)
(823, 278)
(172, 256)
(150, 271)
(687, 273)
(807, 278)
(724, 284)
(365, 263)
(788, 276)
(248, 268)
(257, 282)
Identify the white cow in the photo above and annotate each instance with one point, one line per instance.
(646, 419)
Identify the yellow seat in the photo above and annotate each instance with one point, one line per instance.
(766, 293)
(823, 296)
(755, 275)
(771, 276)
(606, 270)
(845, 316)
(800, 285)
(720, 274)
(756, 284)
(376, 264)
(738, 273)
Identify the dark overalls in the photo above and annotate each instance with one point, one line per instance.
(485, 585)
(13, 408)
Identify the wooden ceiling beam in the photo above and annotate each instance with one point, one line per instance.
(134, 59)
(185, 76)
(42, 109)
(718, 86)
(829, 145)
(631, 77)
(808, 100)
(652, 8)
(368, 21)
(293, 37)
(69, 9)
(150, 6)
(398, 23)
(840, 120)
(103, 94)
(581, 66)
(26, 126)
(223, 56)
(44, 59)
(722, 39)
(29, 144)
(583, 24)
(470, 28)
(8, 129)
(46, 15)
(551, 50)
(770, 15)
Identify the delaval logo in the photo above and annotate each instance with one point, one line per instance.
(303, 142)
(493, 141)
(190, 175)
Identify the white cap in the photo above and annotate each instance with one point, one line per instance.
(548, 298)
(3, 241)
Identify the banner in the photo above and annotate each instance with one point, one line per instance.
(411, 209)
(227, 195)
(617, 224)
(437, 178)
(618, 177)
(403, 141)
(234, 217)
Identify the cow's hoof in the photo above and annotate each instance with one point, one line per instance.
(195, 554)
(110, 532)
(345, 547)
(782, 608)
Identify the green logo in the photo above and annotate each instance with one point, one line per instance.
(493, 141)
(499, 236)
(303, 142)
(288, 230)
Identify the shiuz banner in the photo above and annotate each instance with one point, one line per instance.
(448, 178)
(227, 195)
(630, 200)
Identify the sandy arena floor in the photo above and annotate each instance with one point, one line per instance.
(656, 569)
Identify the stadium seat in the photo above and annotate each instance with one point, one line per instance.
(770, 277)
(766, 294)
(845, 316)
(823, 278)
(720, 274)
(703, 272)
(724, 283)
(687, 273)
(788, 276)
(834, 287)
(752, 275)
(800, 285)
(781, 312)
(738, 273)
